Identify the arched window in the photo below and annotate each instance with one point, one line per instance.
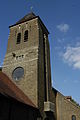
(18, 73)
(26, 36)
(18, 38)
(73, 117)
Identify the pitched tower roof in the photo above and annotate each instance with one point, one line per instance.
(28, 17)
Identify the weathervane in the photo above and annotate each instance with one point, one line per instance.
(31, 8)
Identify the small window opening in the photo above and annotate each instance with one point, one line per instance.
(19, 27)
(18, 38)
(26, 36)
(22, 56)
(73, 117)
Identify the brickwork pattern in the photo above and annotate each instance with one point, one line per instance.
(26, 57)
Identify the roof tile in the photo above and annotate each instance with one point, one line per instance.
(8, 87)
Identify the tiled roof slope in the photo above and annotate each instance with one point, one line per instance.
(7, 87)
(26, 18)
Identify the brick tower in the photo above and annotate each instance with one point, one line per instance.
(27, 61)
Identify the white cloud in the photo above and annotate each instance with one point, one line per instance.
(63, 27)
(60, 40)
(72, 56)
(76, 81)
(78, 44)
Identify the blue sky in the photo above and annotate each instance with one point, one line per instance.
(62, 19)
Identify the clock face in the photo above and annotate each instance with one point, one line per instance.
(18, 73)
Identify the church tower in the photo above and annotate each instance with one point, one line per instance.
(27, 60)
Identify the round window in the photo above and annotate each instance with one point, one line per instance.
(18, 73)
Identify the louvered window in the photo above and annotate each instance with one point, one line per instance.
(18, 38)
(26, 36)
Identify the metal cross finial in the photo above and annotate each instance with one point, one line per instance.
(31, 8)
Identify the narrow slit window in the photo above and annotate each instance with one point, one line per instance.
(26, 36)
(18, 38)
